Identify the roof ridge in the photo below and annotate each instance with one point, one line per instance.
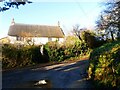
(35, 24)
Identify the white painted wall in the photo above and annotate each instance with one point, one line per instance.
(61, 40)
(54, 39)
(40, 40)
(37, 40)
(44, 40)
(12, 39)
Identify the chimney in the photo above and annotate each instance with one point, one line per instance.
(58, 23)
(13, 22)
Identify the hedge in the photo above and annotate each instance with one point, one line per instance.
(104, 67)
(14, 56)
(18, 56)
(58, 52)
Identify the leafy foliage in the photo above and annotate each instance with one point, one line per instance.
(91, 39)
(57, 52)
(12, 4)
(18, 56)
(14, 56)
(105, 65)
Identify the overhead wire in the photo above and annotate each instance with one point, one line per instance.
(83, 11)
(86, 15)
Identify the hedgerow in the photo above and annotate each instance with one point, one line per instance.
(19, 56)
(104, 67)
(57, 52)
(14, 56)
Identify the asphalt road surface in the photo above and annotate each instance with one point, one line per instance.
(65, 75)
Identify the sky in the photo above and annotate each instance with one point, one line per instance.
(49, 13)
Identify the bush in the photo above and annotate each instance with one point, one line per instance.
(14, 56)
(104, 66)
(17, 56)
(91, 39)
(57, 52)
(54, 51)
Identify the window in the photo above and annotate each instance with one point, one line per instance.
(58, 39)
(49, 39)
(19, 38)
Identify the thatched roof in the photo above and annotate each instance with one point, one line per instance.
(35, 31)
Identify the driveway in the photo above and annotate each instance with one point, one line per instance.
(65, 75)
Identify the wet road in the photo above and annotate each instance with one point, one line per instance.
(67, 75)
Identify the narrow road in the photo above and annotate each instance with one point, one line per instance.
(67, 75)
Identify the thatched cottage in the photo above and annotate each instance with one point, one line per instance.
(39, 34)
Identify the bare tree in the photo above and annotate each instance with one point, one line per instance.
(76, 31)
(109, 21)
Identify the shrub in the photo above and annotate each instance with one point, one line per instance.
(17, 56)
(57, 52)
(104, 66)
(91, 39)
(14, 56)
(54, 51)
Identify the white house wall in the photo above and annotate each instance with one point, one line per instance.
(12, 39)
(41, 40)
(37, 40)
(61, 40)
(44, 40)
(54, 39)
